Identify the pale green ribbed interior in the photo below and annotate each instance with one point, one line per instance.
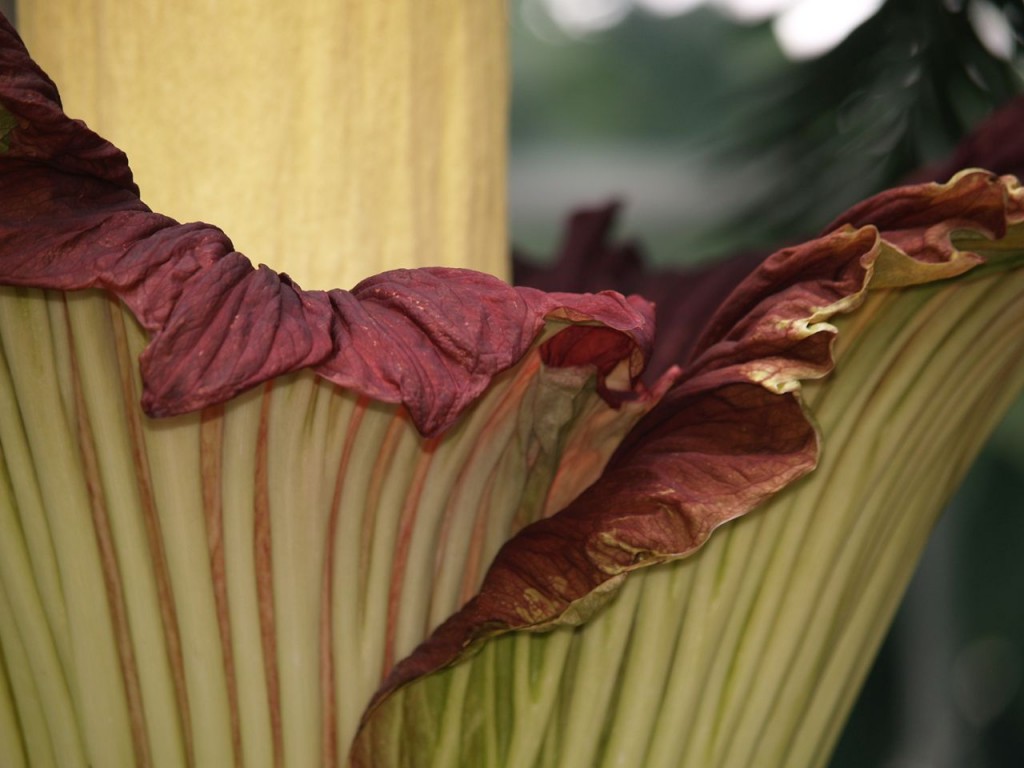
(751, 652)
(229, 587)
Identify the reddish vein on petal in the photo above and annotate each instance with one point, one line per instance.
(111, 570)
(211, 449)
(371, 510)
(328, 688)
(264, 576)
(165, 592)
(400, 559)
(474, 558)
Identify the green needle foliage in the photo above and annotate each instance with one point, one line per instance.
(897, 94)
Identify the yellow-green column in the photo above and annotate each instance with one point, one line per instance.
(331, 139)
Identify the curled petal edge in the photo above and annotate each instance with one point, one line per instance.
(431, 339)
(697, 459)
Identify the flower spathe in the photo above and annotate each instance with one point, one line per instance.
(320, 527)
(771, 332)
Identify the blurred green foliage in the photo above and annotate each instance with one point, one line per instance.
(797, 142)
(646, 79)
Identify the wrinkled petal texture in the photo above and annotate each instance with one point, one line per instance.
(431, 339)
(731, 431)
(589, 260)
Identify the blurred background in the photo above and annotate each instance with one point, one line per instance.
(731, 125)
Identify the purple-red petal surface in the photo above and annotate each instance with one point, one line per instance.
(431, 339)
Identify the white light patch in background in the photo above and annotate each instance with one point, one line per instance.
(754, 11)
(804, 29)
(992, 28)
(578, 17)
(669, 7)
(813, 27)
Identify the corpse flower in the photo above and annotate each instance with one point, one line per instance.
(437, 520)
